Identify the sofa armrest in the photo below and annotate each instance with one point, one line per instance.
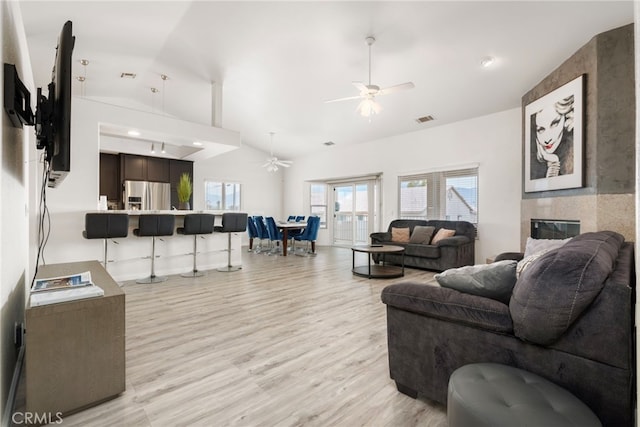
(449, 304)
(379, 237)
(514, 256)
(453, 241)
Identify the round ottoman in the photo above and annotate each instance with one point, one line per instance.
(490, 394)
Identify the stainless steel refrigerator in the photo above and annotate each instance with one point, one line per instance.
(147, 196)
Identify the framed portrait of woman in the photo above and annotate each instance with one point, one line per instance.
(553, 139)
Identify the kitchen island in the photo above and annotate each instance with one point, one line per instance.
(129, 259)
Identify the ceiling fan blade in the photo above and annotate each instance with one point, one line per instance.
(266, 164)
(361, 87)
(283, 164)
(396, 88)
(343, 99)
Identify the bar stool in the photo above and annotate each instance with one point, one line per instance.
(105, 226)
(195, 225)
(154, 225)
(232, 222)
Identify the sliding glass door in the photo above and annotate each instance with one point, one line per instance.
(354, 215)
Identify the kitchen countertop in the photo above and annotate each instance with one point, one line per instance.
(177, 212)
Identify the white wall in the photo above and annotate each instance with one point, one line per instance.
(493, 142)
(261, 191)
(14, 274)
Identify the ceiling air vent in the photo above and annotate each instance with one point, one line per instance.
(329, 143)
(424, 119)
(127, 75)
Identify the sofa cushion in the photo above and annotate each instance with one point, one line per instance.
(422, 234)
(552, 292)
(424, 251)
(534, 246)
(449, 304)
(443, 233)
(400, 234)
(494, 280)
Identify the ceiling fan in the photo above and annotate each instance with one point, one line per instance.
(273, 162)
(368, 106)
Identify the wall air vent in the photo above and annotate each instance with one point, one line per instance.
(424, 119)
(329, 143)
(127, 75)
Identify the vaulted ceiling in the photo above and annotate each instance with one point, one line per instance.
(275, 63)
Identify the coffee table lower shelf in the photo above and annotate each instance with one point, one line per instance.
(378, 271)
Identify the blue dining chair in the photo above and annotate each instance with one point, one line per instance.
(293, 233)
(262, 232)
(252, 232)
(275, 235)
(310, 235)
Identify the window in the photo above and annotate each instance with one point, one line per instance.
(318, 202)
(450, 195)
(221, 196)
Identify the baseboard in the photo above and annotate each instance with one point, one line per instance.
(11, 397)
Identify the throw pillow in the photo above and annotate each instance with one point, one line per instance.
(400, 234)
(495, 281)
(443, 233)
(536, 245)
(526, 262)
(422, 234)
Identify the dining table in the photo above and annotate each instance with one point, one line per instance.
(284, 227)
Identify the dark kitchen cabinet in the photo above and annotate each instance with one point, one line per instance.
(110, 177)
(157, 169)
(134, 167)
(142, 168)
(176, 169)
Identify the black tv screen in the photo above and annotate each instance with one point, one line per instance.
(53, 115)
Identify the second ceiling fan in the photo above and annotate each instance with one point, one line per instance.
(368, 106)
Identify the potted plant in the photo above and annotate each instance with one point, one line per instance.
(184, 191)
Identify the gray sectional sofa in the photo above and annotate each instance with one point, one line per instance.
(569, 319)
(450, 252)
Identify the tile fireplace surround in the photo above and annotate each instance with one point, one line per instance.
(595, 212)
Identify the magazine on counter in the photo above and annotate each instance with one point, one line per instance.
(73, 287)
(62, 282)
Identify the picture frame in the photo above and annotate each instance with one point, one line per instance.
(553, 139)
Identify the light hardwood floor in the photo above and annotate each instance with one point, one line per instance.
(283, 342)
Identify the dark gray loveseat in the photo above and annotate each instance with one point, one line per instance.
(569, 319)
(450, 252)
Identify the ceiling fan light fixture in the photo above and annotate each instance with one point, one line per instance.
(368, 107)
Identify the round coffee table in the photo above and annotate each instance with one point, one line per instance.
(377, 271)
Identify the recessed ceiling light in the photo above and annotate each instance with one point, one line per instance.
(133, 133)
(197, 143)
(487, 61)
